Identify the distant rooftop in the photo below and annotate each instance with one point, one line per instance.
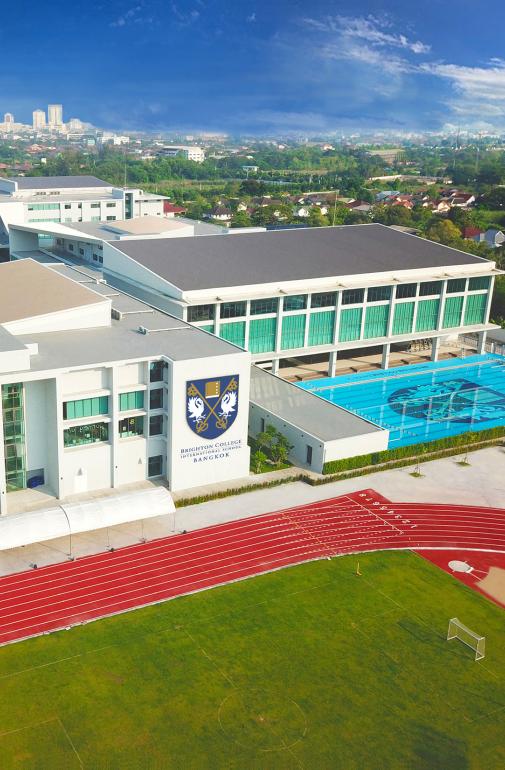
(55, 182)
(149, 225)
(29, 289)
(253, 258)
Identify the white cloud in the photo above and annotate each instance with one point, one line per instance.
(370, 29)
(251, 18)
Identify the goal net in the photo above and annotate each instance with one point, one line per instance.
(457, 630)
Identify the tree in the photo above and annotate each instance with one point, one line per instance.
(266, 438)
(444, 232)
(316, 218)
(241, 219)
(280, 449)
(258, 460)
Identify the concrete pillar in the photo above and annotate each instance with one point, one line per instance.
(386, 349)
(435, 347)
(332, 363)
(275, 366)
(113, 425)
(481, 342)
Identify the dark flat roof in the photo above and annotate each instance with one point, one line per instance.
(288, 255)
(47, 182)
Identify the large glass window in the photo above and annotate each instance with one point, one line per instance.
(478, 283)
(156, 425)
(262, 333)
(350, 324)
(378, 293)
(455, 285)
(156, 398)
(325, 299)
(452, 312)
(430, 287)
(295, 302)
(376, 321)
(131, 426)
(264, 306)
(14, 436)
(475, 310)
(353, 296)
(406, 290)
(85, 407)
(293, 332)
(321, 327)
(427, 315)
(233, 332)
(155, 466)
(44, 207)
(233, 309)
(156, 371)
(132, 400)
(403, 318)
(86, 434)
(201, 313)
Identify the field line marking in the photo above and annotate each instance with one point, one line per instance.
(69, 739)
(55, 662)
(29, 727)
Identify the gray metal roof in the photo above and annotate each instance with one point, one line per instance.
(47, 182)
(289, 255)
(306, 411)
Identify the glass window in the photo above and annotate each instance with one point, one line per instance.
(156, 425)
(95, 205)
(295, 302)
(68, 205)
(353, 296)
(111, 205)
(200, 313)
(406, 290)
(131, 426)
(479, 283)
(430, 287)
(132, 400)
(111, 219)
(326, 299)
(264, 306)
(86, 434)
(156, 399)
(378, 293)
(85, 407)
(233, 332)
(70, 247)
(232, 309)
(156, 370)
(456, 285)
(81, 252)
(155, 466)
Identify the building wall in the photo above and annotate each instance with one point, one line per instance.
(322, 451)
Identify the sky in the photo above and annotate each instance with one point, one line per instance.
(257, 67)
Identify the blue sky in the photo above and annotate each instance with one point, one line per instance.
(257, 66)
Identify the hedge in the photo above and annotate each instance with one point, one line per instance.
(415, 450)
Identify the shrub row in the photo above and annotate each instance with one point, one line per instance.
(416, 450)
(237, 491)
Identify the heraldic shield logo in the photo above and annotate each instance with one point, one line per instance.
(212, 405)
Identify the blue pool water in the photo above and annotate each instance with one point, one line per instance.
(423, 402)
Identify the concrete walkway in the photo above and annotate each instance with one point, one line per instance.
(480, 483)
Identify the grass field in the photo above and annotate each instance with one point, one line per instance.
(309, 667)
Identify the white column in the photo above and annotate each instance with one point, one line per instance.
(247, 323)
(386, 349)
(217, 318)
(332, 363)
(481, 342)
(441, 306)
(278, 328)
(435, 347)
(60, 449)
(275, 366)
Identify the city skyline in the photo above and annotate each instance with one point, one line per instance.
(258, 68)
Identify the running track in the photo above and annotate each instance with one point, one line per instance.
(67, 594)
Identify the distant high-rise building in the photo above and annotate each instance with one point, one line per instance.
(74, 124)
(39, 119)
(8, 117)
(55, 115)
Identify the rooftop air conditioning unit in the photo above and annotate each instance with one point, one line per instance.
(143, 330)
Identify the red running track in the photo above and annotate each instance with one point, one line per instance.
(62, 595)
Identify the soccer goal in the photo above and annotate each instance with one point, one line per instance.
(457, 630)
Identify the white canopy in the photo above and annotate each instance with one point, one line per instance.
(37, 526)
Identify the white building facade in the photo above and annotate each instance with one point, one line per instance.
(100, 391)
(315, 291)
(28, 200)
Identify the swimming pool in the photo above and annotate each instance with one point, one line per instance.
(423, 402)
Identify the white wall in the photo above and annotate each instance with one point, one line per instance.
(131, 459)
(223, 458)
(85, 317)
(322, 451)
(86, 468)
(84, 382)
(36, 425)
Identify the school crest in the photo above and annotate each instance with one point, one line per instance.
(212, 405)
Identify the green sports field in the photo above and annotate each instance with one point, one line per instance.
(309, 667)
